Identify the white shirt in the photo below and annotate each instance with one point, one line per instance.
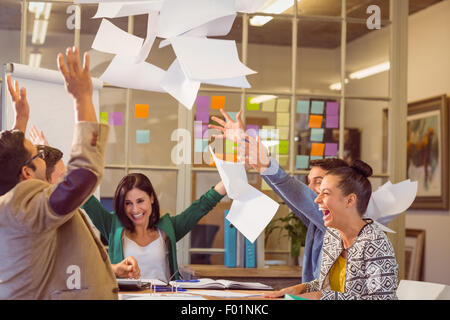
(151, 259)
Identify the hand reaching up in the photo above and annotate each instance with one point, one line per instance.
(37, 137)
(19, 97)
(231, 130)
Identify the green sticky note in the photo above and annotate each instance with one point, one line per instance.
(317, 134)
(104, 117)
(229, 146)
(252, 106)
(303, 106)
(200, 145)
(316, 157)
(302, 162)
(283, 147)
(317, 107)
(142, 136)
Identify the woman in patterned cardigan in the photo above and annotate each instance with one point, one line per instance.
(358, 261)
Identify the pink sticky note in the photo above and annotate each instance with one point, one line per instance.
(332, 121)
(202, 103)
(331, 149)
(116, 118)
(198, 129)
(252, 130)
(202, 116)
(332, 108)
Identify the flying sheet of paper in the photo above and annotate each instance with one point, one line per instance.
(178, 17)
(150, 38)
(391, 199)
(124, 73)
(252, 212)
(108, 36)
(179, 86)
(207, 59)
(218, 27)
(125, 9)
(249, 6)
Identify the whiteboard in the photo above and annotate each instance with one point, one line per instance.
(51, 107)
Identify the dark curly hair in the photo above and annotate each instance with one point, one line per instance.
(141, 182)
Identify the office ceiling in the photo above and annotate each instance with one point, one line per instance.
(317, 34)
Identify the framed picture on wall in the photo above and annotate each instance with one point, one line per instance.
(427, 151)
(414, 254)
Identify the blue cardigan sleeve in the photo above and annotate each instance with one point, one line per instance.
(297, 195)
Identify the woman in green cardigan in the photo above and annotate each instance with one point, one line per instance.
(137, 231)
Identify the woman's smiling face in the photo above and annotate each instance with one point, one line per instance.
(332, 202)
(138, 207)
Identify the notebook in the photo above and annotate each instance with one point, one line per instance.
(206, 283)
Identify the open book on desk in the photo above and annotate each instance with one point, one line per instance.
(206, 283)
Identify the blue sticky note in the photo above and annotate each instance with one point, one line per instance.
(200, 145)
(317, 134)
(317, 107)
(302, 162)
(303, 106)
(233, 115)
(316, 158)
(142, 136)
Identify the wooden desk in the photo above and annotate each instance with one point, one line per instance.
(276, 276)
(190, 291)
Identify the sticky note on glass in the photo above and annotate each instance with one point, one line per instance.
(302, 162)
(202, 103)
(200, 130)
(252, 130)
(283, 160)
(283, 105)
(200, 145)
(202, 116)
(217, 102)
(303, 106)
(116, 118)
(141, 111)
(268, 106)
(315, 121)
(332, 108)
(142, 136)
(229, 146)
(104, 117)
(283, 147)
(283, 133)
(264, 185)
(252, 106)
(316, 158)
(317, 149)
(332, 121)
(317, 107)
(233, 115)
(283, 119)
(317, 134)
(331, 149)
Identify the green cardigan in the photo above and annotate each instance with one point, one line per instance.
(175, 227)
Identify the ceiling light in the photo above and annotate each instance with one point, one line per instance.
(276, 7)
(370, 71)
(39, 31)
(262, 98)
(337, 86)
(35, 59)
(40, 8)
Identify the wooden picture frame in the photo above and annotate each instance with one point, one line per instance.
(414, 254)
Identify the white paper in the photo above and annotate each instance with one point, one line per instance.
(151, 36)
(125, 9)
(239, 82)
(179, 86)
(99, 1)
(112, 39)
(218, 27)
(391, 199)
(249, 6)
(225, 294)
(252, 213)
(124, 73)
(208, 59)
(180, 16)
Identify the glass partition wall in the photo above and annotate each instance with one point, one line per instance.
(314, 96)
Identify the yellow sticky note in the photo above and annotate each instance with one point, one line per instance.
(283, 105)
(315, 121)
(141, 111)
(317, 149)
(264, 185)
(283, 133)
(283, 160)
(268, 106)
(282, 119)
(217, 102)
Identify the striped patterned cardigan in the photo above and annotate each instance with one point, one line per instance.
(371, 270)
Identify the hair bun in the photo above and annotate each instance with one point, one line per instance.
(362, 168)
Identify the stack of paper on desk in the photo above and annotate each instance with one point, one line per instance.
(206, 283)
(251, 210)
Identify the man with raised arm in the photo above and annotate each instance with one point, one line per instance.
(48, 249)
